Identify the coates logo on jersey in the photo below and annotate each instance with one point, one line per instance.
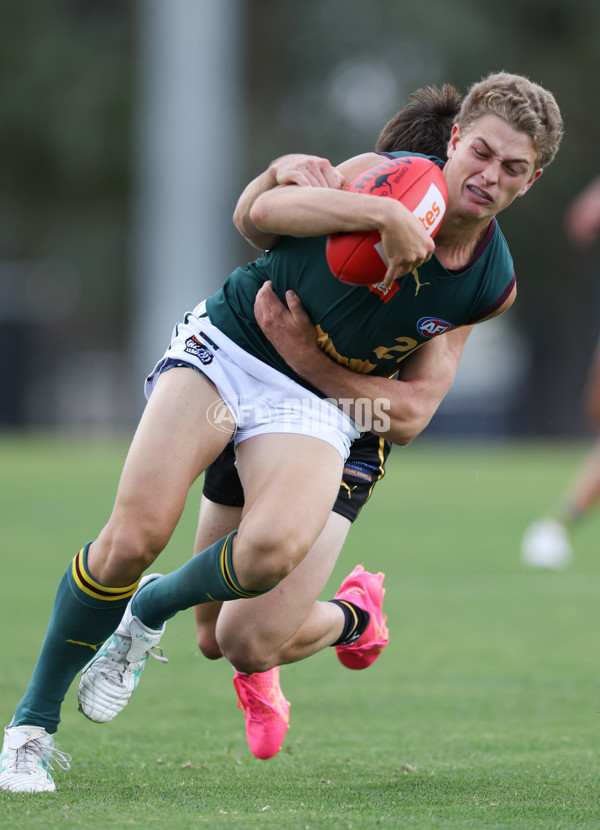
(432, 326)
(382, 292)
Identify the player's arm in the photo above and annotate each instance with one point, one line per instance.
(424, 377)
(293, 169)
(582, 218)
(309, 211)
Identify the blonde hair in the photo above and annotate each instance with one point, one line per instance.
(524, 105)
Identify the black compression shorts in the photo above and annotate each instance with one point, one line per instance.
(364, 467)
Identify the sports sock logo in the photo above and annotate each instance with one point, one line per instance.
(87, 645)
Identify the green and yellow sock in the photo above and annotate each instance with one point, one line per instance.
(84, 615)
(207, 577)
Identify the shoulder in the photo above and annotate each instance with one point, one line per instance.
(409, 154)
(353, 167)
(503, 304)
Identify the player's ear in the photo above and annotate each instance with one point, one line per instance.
(454, 139)
(533, 178)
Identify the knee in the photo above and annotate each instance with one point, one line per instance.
(249, 655)
(124, 550)
(210, 651)
(266, 555)
(207, 644)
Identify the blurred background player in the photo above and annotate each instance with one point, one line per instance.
(547, 542)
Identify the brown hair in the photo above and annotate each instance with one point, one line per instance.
(524, 105)
(424, 125)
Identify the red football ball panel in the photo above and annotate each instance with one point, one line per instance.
(356, 257)
(356, 254)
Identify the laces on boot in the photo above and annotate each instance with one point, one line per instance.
(160, 656)
(28, 757)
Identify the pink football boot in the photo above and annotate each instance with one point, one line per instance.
(365, 590)
(267, 711)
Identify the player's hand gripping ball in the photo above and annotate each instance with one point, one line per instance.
(357, 257)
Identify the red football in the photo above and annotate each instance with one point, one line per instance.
(357, 257)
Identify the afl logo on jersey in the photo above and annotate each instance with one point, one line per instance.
(432, 326)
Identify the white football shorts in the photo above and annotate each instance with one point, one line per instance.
(257, 399)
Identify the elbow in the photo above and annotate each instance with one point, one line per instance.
(403, 440)
(402, 437)
(239, 220)
(259, 212)
(404, 432)
(252, 233)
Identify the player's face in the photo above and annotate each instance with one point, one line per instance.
(488, 166)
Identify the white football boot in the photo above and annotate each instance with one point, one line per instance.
(25, 762)
(546, 544)
(112, 676)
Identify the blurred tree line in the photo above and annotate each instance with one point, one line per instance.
(321, 76)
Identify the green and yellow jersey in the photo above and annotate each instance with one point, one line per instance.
(366, 328)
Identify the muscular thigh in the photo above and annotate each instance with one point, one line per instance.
(173, 444)
(290, 484)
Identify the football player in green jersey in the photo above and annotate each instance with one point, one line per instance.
(287, 624)
(507, 131)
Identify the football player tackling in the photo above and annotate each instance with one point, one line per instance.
(507, 131)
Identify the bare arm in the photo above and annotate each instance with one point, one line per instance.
(301, 211)
(294, 169)
(582, 219)
(424, 378)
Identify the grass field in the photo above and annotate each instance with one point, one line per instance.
(482, 712)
